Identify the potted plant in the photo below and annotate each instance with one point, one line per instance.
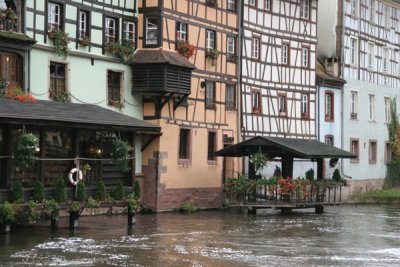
(84, 41)
(51, 210)
(7, 215)
(133, 205)
(60, 40)
(122, 50)
(185, 49)
(212, 54)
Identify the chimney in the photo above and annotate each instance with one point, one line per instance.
(332, 66)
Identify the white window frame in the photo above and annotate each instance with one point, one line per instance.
(385, 59)
(230, 100)
(371, 107)
(267, 5)
(386, 16)
(370, 55)
(53, 16)
(151, 27)
(252, 2)
(387, 114)
(182, 31)
(255, 47)
(210, 39)
(231, 5)
(83, 22)
(305, 56)
(110, 30)
(285, 54)
(305, 9)
(130, 31)
(354, 8)
(230, 46)
(372, 10)
(354, 105)
(353, 51)
(304, 105)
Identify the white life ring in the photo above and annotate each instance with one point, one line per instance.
(79, 176)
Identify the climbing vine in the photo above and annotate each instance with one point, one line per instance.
(393, 166)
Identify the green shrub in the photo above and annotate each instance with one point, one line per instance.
(38, 191)
(17, 193)
(74, 206)
(136, 189)
(133, 203)
(59, 194)
(30, 212)
(188, 207)
(336, 176)
(92, 203)
(118, 193)
(310, 174)
(80, 192)
(7, 212)
(50, 208)
(101, 193)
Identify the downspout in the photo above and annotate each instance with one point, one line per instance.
(239, 71)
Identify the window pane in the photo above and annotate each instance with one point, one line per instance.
(151, 31)
(114, 88)
(211, 145)
(184, 143)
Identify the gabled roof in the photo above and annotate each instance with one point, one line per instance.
(278, 147)
(160, 55)
(327, 77)
(52, 113)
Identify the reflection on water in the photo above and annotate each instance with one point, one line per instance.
(342, 236)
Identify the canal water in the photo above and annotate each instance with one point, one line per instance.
(342, 236)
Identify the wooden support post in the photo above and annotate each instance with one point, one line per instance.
(319, 209)
(5, 227)
(320, 169)
(73, 219)
(54, 220)
(131, 217)
(287, 166)
(251, 210)
(286, 211)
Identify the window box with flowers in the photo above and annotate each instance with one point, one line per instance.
(85, 41)
(60, 40)
(8, 20)
(186, 49)
(123, 51)
(212, 54)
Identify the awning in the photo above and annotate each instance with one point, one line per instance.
(56, 114)
(279, 147)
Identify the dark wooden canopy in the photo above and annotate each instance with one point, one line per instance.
(287, 149)
(52, 113)
(279, 147)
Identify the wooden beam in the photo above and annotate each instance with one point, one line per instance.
(287, 166)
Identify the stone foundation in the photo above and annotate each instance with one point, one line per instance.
(360, 186)
(203, 198)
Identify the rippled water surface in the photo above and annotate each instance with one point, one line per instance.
(342, 236)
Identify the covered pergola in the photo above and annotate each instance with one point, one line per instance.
(287, 149)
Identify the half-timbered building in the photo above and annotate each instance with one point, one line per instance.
(192, 96)
(363, 36)
(278, 69)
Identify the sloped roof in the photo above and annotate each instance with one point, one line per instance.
(160, 55)
(323, 74)
(16, 37)
(52, 113)
(278, 147)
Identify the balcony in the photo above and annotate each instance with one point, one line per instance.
(9, 29)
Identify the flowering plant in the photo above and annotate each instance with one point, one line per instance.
(259, 160)
(84, 41)
(122, 50)
(8, 19)
(212, 53)
(186, 49)
(15, 92)
(61, 40)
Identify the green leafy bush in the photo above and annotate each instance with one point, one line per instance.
(38, 191)
(51, 208)
(336, 176)
(136, 189)
(17, 193)
(118, 193)
(188, 207)
(133, 203)
(101, 193)
(92, 203)
(7, 212)
(24, 149)
(80, 192)
(59, 194)
(75, 206)
(310, 174)
(121, 153)
(30, 213)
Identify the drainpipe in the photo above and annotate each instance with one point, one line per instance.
(240, 133)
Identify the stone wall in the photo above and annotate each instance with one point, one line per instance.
(360, 186)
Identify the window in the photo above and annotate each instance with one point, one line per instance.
(353, 105)
(387, 109)
(184, 145)
(255, 47)
(230, 99)
(285, 54)
(83, 24)
(210, 39)
(231, 48)
(354, 8)
(304, 107)
(371, 107)
(305, 58)
(372, 10)
(256, 101)
(282, 104)
(372, 152)
(354, 149)
(212, 144)
(129, 31)
(232, 5)
(114, 88)
(385, 59)
(388, 152)
(267, 5)
(329, 107)
(111, 34)
(329, 140)
(371, 55)
(386, 16)
(305, 9)
(11, 68)
(57, 79)
(210, 94)
(151, 31)
(181, 32)
(353, 51)
(53, 16)
(252, 2)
